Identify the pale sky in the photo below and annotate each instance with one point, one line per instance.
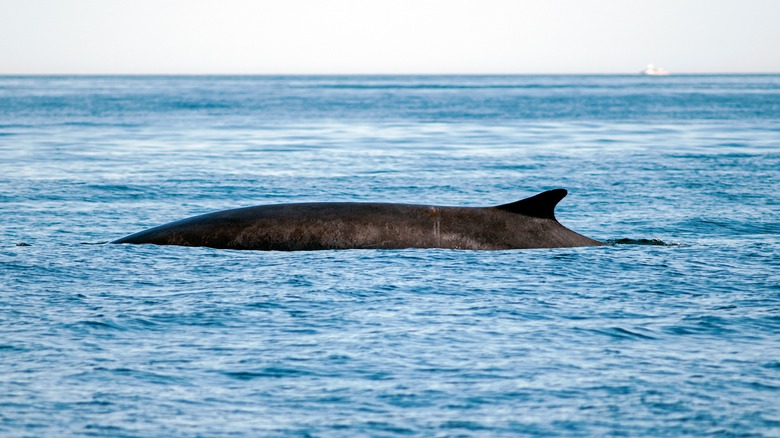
(387, 36)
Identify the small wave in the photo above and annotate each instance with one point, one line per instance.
(650, 242)
(269, 372)
(86, 124)
(621, 333)
(466, 425)
(101, 325)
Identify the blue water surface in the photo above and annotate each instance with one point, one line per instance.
(672, 329)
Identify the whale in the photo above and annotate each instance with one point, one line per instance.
(528, 223)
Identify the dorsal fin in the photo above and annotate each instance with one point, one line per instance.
(541, 205)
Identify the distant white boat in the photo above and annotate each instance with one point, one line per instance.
(652, 70)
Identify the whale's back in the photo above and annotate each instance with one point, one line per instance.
(529, 223)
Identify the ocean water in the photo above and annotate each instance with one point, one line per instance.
(672, 329)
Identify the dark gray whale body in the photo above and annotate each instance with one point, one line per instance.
(529, 223)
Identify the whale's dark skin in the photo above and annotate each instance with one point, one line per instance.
(529, 223)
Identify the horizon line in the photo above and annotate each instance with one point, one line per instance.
(637, 73)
